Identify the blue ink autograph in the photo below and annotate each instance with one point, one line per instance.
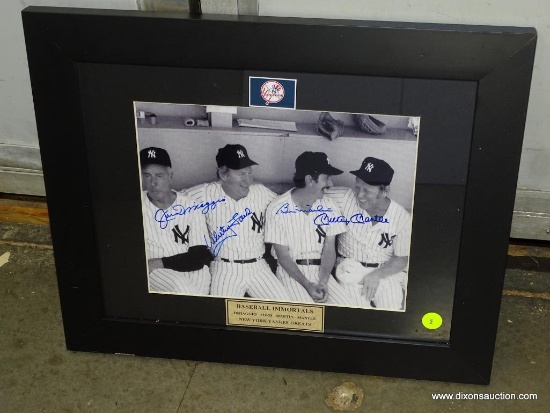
(224, 232)
(325, 219)
(285, 209)
(164, 216)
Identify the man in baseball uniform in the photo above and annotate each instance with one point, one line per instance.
(306, 251)
(177, 256)
(236, 228)
(373, 253)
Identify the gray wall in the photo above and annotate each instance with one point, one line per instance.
(20, 165)
(17, 124)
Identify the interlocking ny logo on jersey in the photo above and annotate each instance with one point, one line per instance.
(179, 236)
(322, 234)
(385, 239)
(151, 154)
(257, 223)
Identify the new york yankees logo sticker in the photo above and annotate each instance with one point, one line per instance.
(272, 92)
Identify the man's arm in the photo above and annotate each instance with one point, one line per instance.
(197, 257)
(372, 280)
(154, 264)
(398, 261)
(328, 258)
(293, 271)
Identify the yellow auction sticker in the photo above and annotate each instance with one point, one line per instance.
(432, 321)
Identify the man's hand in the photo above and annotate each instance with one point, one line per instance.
(154, 264)
(370, 285)
(322, 288)
(318, 294)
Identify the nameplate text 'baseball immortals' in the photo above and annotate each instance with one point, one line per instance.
(275, 315)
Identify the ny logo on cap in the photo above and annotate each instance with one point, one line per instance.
(240, 153)
(369, 167)
(151, 154)
(328, 161)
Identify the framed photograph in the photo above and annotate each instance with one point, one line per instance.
(210, 179)
(270, 144)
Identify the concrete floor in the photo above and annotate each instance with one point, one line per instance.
(37, 373)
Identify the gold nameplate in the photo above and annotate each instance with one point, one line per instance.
(275, 315)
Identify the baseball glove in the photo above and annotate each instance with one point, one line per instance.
(370, 125)
(350, 271)
(329, 127)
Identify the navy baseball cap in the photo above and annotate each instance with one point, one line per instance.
(310, 163)
(374, 171)
(234, 157)
(156, 156)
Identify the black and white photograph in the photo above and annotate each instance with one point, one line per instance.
(279, 205)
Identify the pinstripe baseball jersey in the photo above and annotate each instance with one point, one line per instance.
(168, 232)
(297, 230)
(235, 228)
(370, 243)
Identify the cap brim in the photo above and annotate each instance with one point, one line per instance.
(359, 174)
(331, 170)
(248, 162)
(243, 163)
(328, 170)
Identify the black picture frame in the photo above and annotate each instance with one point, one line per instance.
(62, 44)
